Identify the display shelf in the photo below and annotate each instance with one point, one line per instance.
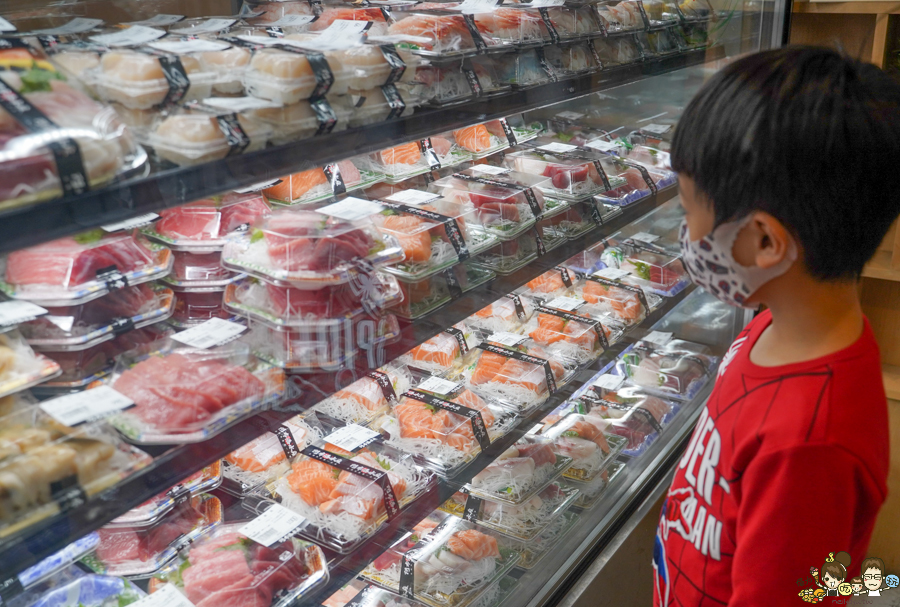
(21, 549)
(162, 188)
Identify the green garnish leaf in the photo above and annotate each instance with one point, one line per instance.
(565, 137)
(383, 462)
(37, 80)
(256, 236)
(89, 237)
(571, 434)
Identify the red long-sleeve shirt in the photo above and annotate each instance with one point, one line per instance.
(786, 464)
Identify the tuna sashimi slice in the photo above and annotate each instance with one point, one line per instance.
(205, 578)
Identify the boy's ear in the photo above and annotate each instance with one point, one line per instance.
(771, 239)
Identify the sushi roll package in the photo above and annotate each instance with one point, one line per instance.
(424, 295)
(507, 257)
(588, 440)
(48, 467)
(649, 266)
(526, 522)
(506, 315)
(618, 51)
(619, 17)
(20, 366)
(308, 249)
(225, 567)
(442, 354)
(591, 492)
(77, 269)
(444, 425)
(140, 551)
(434, 234)
(567, 335)
(184, 394)
(204, 226)
(347, 494)
(31, 171)
(455, 564)
(676, 369)
(202, 481)
(520, 473)
(323, 183)
(364, 400)
(525, 69)
(533, 550)
(574, 174)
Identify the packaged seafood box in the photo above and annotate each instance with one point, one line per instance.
(518, 374)
(549, 285)
(449, 152)
(266, 12)
(507, 257)
(383, 103)
(694, 36)
(498, 173)
(368, 397)
(587, 261)
(657, 134)
(519, 26)
(649, 267)
(77, 269)
(348, 493)
(525, 522)
(184, 394)
(659, 43)
(572, 59)
(407, 160)
(347, 12)
(319, 184)
(227, 568)
(204, 226)
(507, 314)
(568, 335)
(74, 587)
(286, 76)
(525, 69)
(442, 354)
(49, 467)
(578, 219)
(588, 441)
(654, 160)
(192, 269)
(590, 493)
(423, 296)
(86, 325)
(620, 17)
(267, 457)
(139, 552)
(442, 35)
(444, 425)
(456, 81)
(376, 65)
(618, 51)
(661, 13)
(304, 119)
(561, 23)
(606, 295)
(196, 305)
(35, 580)
(676, 369)
(434, 234)
(532, 551)
(203, 481)
(455, 564)
(695, 10)
(574, 174)
(20, 366)
(32, 171)
(309, 250)
(631, 412)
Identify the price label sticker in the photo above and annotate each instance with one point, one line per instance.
(608, 381)
(611, 273)
(567, 115)
(89, 405)
(657, 129)
(536, 429)
(135, 35)
(210, 26)
(351, 209)
(506, 339)
(558, 148)
(165, 596)
(645, 237)
(239, 104)
(78, 25)
(292, 21)
(130, 224)
(158, 20)
(188, 46)
(489, 169)
(565, 303)
(351, 437)
(658, 337)
(6, 26)
(603, 146)
(438, 385)
(414, 197)
(213, 332)
(273, 525)
(16, 311)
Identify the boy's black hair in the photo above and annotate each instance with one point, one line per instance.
(808, 135)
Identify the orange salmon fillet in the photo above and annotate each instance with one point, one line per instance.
(489, 364)
(413, 237)
(546, 282)
(473, 138)
(442, 349)
(473, 545)
(295, 186)
(408, 153)
(313, 481)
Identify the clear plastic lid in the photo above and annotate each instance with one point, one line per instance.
(279, 574)
(370, 396)
(288, 76)
(481, 141)
(621, 50)
(454, 565)
(534, 550)
(589, 441)
(574, 174)
(525, 69)
(300, 120)
(308, 249)
(639, 182)
(525, 521)
(569, 22)
(20, 366)
(186, 394)
(661, 12)
(428, 423)
(83, 326)
(506, 315)
(137, 80)
(205, 225)
(229, 65)
(138, 552)
(422, 296)
(444, 352)
(448, 151)
(550, 285)
(592, 492)
(348, 495)
(507, 257)
(577, 219)
(370, 106)
(196, 306)
(348, 12)
(75, 463)
(610, 298)
(617, 17)
(437, 35)
(514, 26)
(86, 590)
(678, 368)
(373, 65)
(205, 479)
(274, 10)
(650, 267)
(571, 60)
(401, 162)
(77, 269)
(198, 269)
(446, 83)
(323, 183)
(567, 335)
(521, 472)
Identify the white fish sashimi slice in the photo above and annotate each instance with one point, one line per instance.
(514, 468)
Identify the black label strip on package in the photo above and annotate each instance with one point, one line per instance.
(235, 135)
(593, 48)
(510, 134)
(333, 174)
(288, 444)
(545, 65)
(480, 44)
(391, 505)
(595, 399)
(472, 78)
(177, 79)
(66, 153)
(431, 156)
(472, 508)
(595, 213)
(643, 11)
(114, 279)
(67, 493)
(539, 241)
(395, 101)
(564, 274)
(452, 283)
(275, 32)
(321, 70)
(460, 338)
(398, 66)
(517, 302)
(474, 415)
(644, 173)
(324, 114)
(545, 15)
(384, 382)
(451, 228)
(525, 358)
(10, 588)
(409, 558)
(121, 325)
(585, 320)
(612, 283)
(528, 192)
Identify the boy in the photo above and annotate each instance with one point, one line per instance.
(789, 166)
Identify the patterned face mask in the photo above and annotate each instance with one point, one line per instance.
(712, 266)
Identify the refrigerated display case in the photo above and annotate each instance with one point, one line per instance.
(329, 304)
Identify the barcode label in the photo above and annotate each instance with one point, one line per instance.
(211, 333)
(273, 525)
(77, 408)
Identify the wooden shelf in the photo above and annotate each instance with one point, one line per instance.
(880, 267)
(891, 377)
(859, 8)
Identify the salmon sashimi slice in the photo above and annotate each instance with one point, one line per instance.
(408, 153)
(473, 138)
(293, 187)
(540, 453)
(626, 305)
(366, 392)
(590, 432)
(441, 30)
(473, 545)
(550, 329)
(258, 455)
(414, 237)
(418, 420)
(313, 481)
(487, 368)
(547, 282)
(442, 350)
(469, 399)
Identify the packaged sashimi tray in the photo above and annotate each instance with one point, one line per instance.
(424, 295)
(203, 481)
(588, 440)
(675, 368)
(20, 366)
(442, 354)
(568, 335)
(512, 255)
(505, 315)
(370, 396)
(533, 551)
